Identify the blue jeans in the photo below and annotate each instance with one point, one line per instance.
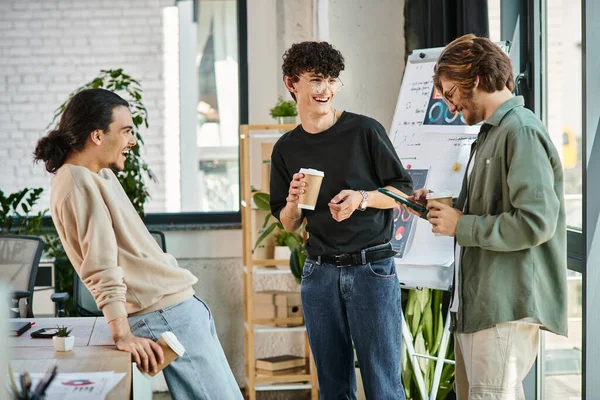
(359, 304)
(202, 372)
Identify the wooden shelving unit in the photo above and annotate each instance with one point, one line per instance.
(306, 380)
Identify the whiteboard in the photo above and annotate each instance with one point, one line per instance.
(427, 136)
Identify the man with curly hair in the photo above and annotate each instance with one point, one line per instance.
(350, 292)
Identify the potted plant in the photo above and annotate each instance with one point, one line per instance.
(293, 240)
(285, 243)
(285, 111)
(63, 341)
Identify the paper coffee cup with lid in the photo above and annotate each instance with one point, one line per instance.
(444, 197)
(172, 349)
(313, 179)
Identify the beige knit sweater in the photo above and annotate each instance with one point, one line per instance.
(110, 247)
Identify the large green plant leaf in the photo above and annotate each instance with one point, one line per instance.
(424, 318)
(265, 233)
(297, 260)
(262, 201)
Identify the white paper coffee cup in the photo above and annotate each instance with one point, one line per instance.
(313, 179)
(172, 349)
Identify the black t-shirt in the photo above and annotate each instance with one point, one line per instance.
(355, 153)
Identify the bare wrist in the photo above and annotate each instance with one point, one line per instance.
(119, 328)
(123, 338)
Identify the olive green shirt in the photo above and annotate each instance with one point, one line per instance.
(513, 234)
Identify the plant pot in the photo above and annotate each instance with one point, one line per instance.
(282, 253)
(286, 120)
(63, 343)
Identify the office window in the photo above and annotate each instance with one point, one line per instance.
(218, 106)
(203, 111)
(561, 358)
(564, 96)
(494, 20)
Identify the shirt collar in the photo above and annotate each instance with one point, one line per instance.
(505, 108)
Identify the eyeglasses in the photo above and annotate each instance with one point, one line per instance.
(319, 85)
(446, 96)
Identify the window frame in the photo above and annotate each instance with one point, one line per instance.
(524, 23)
(224, 218)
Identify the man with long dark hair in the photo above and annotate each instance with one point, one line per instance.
(141, 291)
(350, 291)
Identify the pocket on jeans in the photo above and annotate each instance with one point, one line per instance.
(308, 269)
(205, 305)
(141, 329)
(383, 269)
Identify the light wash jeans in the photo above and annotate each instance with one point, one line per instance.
(202, 373)
(359, 304)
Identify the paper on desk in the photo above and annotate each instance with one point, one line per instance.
(83, 385)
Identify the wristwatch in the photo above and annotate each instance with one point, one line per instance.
(365, 201)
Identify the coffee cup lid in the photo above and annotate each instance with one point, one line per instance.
(174, 344)
(310, 171)
(439, 195)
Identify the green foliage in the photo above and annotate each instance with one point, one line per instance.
(293, 240)
(15, 208)
(423, 313)
(63, 331)
(284, 108)
(16, 219)
(133, 177)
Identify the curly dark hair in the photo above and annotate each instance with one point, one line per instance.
(318, 57)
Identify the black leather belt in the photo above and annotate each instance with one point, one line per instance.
(358, 258)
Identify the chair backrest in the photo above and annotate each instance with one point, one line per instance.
(160, 239)
(19, 259)
(85, 304)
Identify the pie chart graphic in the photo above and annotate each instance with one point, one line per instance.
(399, 233)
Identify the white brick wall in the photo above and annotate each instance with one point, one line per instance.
(50, 47)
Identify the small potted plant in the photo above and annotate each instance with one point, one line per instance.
(285, 111)
(291, 243)
(282, 250)
(63, 341)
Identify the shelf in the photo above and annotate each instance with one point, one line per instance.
(269, 271)
(293, 378)
(270, 262)
(298, 379)
(269, 328)
(275, 321)
(263, 387)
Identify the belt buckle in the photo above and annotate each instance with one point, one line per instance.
(338, 259)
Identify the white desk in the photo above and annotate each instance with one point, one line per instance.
(94, 351)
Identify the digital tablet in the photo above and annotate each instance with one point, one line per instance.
(400, 199)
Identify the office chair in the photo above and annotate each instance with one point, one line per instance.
(85, 305)
(19, 259)
(160, 239)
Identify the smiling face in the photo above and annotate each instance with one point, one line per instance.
(117, 141)
(314, 92)
(462, 101)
